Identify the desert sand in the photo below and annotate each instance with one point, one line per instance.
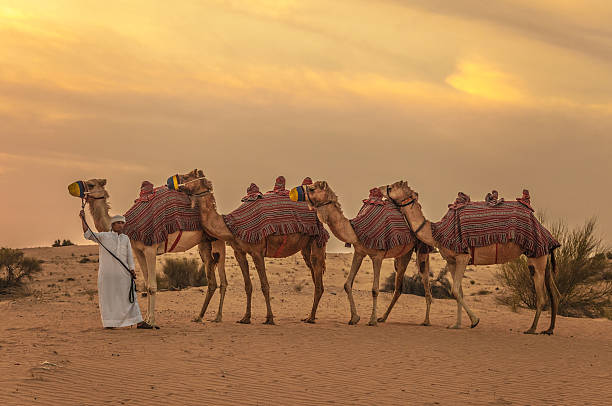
(53, 350)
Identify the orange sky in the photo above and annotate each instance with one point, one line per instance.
(452, 96)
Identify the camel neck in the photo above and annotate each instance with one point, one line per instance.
(211, 220)
(339, 225)
(99, 211)
(416, 218)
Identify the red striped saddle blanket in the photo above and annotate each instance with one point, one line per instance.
(477, 224)
(158, 213)
(274, 214)
(380, 225)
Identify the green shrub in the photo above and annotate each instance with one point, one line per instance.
(182, 272)
(583, 274)
(15, 268)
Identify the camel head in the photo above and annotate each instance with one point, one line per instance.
(317, 194)
(400, 194)
(193, 183)
(89, 189)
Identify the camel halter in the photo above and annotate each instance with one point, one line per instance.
(316, 206)
(404, 203)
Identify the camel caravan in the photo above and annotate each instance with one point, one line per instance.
(280, 223)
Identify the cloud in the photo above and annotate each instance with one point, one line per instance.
(70, 161)
(484, 80)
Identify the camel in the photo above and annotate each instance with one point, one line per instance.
(405, 198)
(321, 197)
(200, 190)
(211, 253)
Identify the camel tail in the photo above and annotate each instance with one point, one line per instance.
(553, 262)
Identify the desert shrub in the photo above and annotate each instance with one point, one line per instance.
(63, 243)
(582, 277)
(412, 284)
(183, 272)
(15, 269)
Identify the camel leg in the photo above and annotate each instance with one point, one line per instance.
(348, 286)
(457, 272)
(376, 264)
(260, 265)
(423, 264)
(317, 259)
(150, 254)
(248, 286)
(400, 264)
(553, 294)
(219, 255)
(142, 262)
(204, 249)
(538, 274)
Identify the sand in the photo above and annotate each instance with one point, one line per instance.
(53, 350)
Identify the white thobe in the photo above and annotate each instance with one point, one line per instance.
(114, 281)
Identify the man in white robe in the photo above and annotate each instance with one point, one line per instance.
(114, 281)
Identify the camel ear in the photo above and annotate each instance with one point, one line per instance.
(200, 173)
(324, 185)
(102, 182)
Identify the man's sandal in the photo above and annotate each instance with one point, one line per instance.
(144, 324)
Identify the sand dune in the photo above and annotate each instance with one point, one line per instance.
(54, 351)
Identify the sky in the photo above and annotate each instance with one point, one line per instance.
(451, 96)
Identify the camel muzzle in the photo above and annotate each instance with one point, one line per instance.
(298, 194)
(78, 189)
(173, 182)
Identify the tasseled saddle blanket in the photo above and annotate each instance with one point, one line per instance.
(380, 225)
(470, 224)
(159, 212)
(261, 215)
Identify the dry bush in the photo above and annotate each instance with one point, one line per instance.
(412, 284)
(583, 274)
(182, 272)
(63, 243)
(15, 269)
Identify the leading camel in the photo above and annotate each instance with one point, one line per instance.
(211, 253)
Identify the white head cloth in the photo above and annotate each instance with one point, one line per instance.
(117, 218)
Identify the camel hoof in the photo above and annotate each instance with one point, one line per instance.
(530, 331)
(372, 323)
(454, 327)
(475, 323)
(244, 320)
(197, 320)
(269, 322)
(217, 320)
(548, 332)
(309, 320)
(425, 323)
(381, 319)
(354, 320)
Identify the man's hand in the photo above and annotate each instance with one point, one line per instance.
(82, 214)
(133, 272)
